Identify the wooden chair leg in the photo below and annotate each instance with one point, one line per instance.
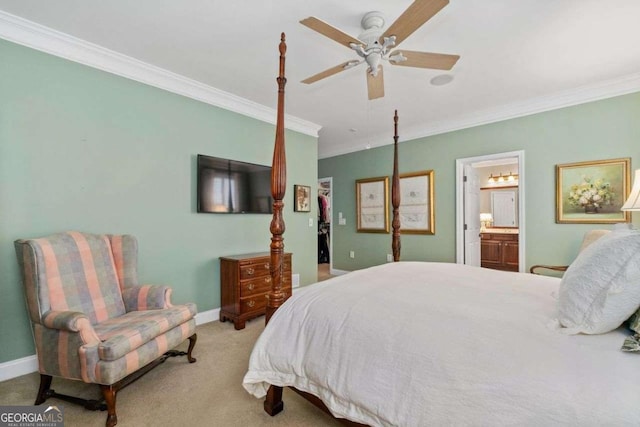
(109, 393)
(43, 391)
(192, 343)
(273, 403)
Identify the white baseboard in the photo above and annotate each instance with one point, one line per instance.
(337, 272)
(29, 364)
(18, 367)
(208, 316)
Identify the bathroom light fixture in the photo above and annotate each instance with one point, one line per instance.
(512, 178)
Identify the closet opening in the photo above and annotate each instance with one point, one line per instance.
(324, 228)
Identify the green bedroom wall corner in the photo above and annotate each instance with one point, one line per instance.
(602, 129)
(86, 150)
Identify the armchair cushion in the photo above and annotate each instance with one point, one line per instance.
(126, 333)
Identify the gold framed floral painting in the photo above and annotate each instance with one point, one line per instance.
(592, 192)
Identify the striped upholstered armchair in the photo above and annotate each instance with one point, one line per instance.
(91, 319)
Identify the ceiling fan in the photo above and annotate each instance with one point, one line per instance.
(373, 45)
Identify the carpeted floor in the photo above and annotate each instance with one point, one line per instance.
(176, 393)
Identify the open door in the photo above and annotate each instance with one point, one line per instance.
(471, 216)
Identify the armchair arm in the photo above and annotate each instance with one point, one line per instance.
(146, 297)
(71, 321)
(548, 267)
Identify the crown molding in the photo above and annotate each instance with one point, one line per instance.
(39, 37)
(580, 95)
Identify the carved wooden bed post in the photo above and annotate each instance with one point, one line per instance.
(275, 298)
(395, 194)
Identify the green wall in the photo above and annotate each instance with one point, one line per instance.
(598, 130)
(81, 149)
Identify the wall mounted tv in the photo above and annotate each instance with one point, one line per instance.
(231, 186)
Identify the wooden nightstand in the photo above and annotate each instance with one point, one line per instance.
(245, 281)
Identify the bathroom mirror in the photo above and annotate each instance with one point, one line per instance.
(503, 205)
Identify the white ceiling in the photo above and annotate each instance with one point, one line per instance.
(517, 57)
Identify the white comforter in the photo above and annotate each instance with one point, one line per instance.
(435, 344)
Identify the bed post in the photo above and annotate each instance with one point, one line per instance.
(273, 402)
(395, 194)
(275, 297)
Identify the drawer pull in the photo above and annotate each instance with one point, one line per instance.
(267, 279)
(250, 286)
(251, 303)
(266, 265)
(250, 271)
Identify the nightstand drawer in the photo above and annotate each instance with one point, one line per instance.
(253, 303)
(262, 268)
(255, 286)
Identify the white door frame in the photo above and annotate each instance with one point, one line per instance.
(460, 164)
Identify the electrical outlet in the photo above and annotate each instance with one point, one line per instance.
(310, 222)
(352, 254)
(389, 258)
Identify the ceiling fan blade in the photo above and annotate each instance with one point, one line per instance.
(375, 85)
(438, 61)
(327, 30)
(417, 14)
(329, 72)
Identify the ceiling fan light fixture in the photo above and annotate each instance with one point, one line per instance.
(397, 58)
(351, 64)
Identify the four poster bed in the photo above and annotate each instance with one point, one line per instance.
(420, 343)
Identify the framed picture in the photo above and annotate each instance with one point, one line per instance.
(416, 203)
(592, 192)
(302, 202)
(372, 205)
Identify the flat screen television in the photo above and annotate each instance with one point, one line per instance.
(231, 186)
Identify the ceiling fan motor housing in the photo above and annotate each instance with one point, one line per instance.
(373, 52)
(372, 23)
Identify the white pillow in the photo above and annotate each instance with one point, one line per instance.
(601, 288)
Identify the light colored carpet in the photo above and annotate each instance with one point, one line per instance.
(206, 393)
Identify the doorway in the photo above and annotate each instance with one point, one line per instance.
(471, 182)
(325, 241)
